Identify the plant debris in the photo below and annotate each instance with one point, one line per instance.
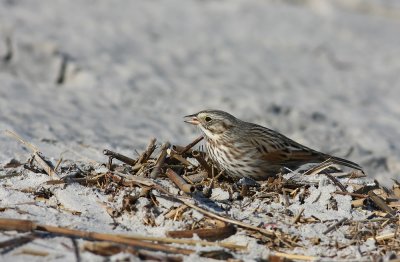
(176, 193)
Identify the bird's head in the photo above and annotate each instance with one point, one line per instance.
(213, 123)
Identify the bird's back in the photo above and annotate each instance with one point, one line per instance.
(258, 152)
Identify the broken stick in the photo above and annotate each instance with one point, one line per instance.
(179, 181)
(149, 150)
(37, 155)
(192, 144)
(381, 203)
(334, 226)
(160, 160)
(200, 158)
(211, 234)
(120, 157)
(30, 226)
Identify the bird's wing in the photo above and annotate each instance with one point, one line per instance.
(279, 149)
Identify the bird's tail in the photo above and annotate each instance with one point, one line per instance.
(344, 162)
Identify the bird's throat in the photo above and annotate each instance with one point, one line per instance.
(210, 135)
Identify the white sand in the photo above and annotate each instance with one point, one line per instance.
(325, 74)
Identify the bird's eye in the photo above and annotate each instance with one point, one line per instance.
(208, 119)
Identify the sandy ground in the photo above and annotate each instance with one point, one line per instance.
(324, 74)
(76, 78)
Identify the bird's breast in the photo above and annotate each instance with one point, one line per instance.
(232, 159)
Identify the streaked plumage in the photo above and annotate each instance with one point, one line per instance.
(244, 149)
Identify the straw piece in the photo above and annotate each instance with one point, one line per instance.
(193, 242)
(160, 160)
(19, 241)
(225, 219)
(27, 225)
(297, 218)
(120, 157)
(149, 150)
(179, 181)
(336, 182)
(211, 234)
(351, 194)
(200, 158)
(294, 257)
(381, 203)
(192, 144)
(383, 237)
(334, 226)
(48, 167)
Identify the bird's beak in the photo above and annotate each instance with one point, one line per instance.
(192, 119)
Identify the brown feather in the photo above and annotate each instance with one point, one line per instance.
(245, 149)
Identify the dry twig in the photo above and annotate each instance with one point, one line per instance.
(145, 155)
(48, 167)
(334, 226)
(148, 182)
(120, 157)
(160, 160)
(351, 194)
(211, 234)
(29, 226)
(297, 218)
(179, 181)
(109, 248)
(200, 158)
(336, 182)
(294, 257)
(17, 241)
(193, 242)
(381, 203)
(192, 144)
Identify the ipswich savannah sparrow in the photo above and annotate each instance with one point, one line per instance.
(244, 149)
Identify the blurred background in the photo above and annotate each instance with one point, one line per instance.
(80, 76)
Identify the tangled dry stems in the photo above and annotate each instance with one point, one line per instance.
(195, 178)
